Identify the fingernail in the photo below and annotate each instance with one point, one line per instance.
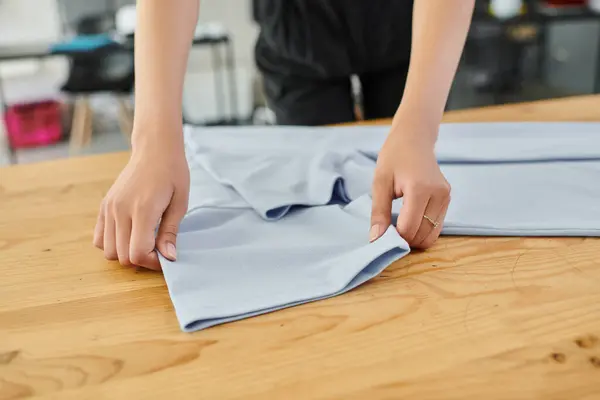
(171, 251)
(374, 233)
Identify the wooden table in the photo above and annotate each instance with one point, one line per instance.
(473, 318)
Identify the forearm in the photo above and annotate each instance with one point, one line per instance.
(438, 35)
(164, 33)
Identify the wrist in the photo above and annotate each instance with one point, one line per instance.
(416, 127)
(156, 118)
(422, 107)
(157, 138)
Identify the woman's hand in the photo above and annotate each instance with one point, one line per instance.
(407, 168)
(153, 187)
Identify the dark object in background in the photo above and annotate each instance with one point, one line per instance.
(255, 11)
(109, 68)
(94, 24)
(563, 3)
(496, 55)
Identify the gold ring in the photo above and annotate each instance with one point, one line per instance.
(434, 223)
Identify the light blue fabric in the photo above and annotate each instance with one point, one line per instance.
(232, 264)
(279, 216)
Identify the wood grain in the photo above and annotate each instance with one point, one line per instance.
(473, 318)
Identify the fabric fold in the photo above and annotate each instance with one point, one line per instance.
(558, 198)
(274, 182)
(232, 264)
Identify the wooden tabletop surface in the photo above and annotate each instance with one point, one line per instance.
(472, 318)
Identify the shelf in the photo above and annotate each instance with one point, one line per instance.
(567, 13)
(542, 14)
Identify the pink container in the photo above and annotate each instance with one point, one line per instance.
(33, 125)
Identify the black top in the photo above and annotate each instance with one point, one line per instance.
(332, 38)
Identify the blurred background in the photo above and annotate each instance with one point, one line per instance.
(66, 68)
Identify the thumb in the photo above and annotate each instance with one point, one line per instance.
(381, 212)
(166, 239)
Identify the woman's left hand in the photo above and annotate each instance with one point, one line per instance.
(407, 168)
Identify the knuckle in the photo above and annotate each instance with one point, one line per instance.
(441, 191)
(404, 231)
(428, 188)
(118, 205)
(168, 237)
(416, 188)
(110, 205)
(102, 207)
(379, 213)
(381, 180)
(154, 266)
(169, 229)
(446, 188)
(137, 257)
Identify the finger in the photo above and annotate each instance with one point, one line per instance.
(166, 239)
(110, 245)
(123, 234)
(435, 233)
(99, 228)
(414, 202)
(434, 209)
(381, 210)
(141, 244)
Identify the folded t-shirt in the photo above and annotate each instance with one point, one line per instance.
(279, 216)
(500, 186)
(457, 142)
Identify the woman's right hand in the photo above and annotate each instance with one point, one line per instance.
(153, 188)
